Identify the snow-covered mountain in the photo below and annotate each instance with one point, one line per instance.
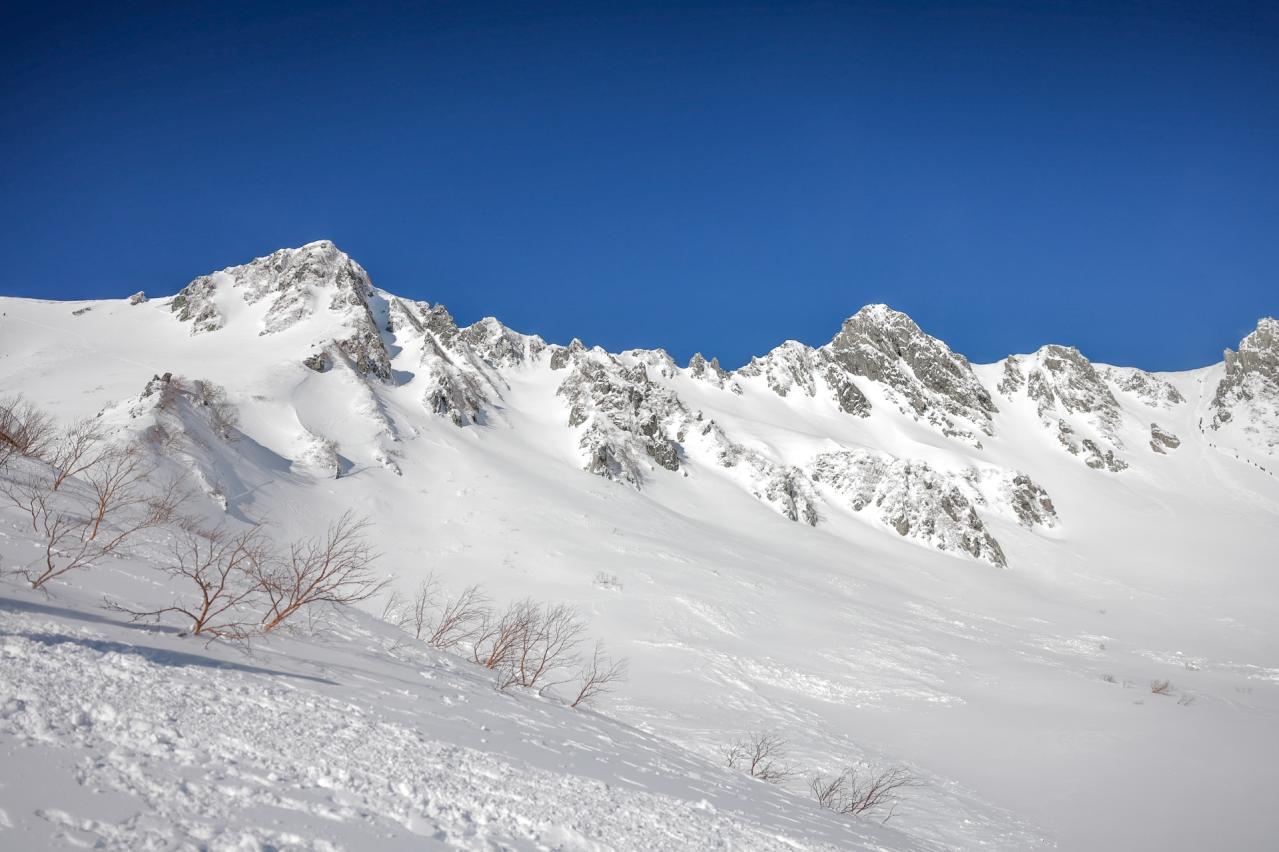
(873, 547)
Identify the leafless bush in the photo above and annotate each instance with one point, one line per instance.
(333, 569)
(854, 793)
(223, 416)
(414, 615)
(1161, 687)
(77, 449)
(78, 526)
(530, 644)
(459, 618)
(598, 676)
(25, 430)
(498, 638)
(223, 567)
(761, 756)
(395, 611)
(548, 648)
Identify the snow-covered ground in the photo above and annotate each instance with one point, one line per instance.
(1019, 696)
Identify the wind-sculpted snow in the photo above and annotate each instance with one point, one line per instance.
(1247, 397)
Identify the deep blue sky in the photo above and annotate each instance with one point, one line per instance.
(694, 176)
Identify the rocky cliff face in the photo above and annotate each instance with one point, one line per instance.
(631, 424)
(1072, 399)
(1247, 397)
(938, 508)
(295, 284)
(1147, 387)
(920, 372)
(628, 422)
(917, 373)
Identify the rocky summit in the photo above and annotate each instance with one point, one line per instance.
(637, 418)
(889, 555)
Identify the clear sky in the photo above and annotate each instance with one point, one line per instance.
(714, 176)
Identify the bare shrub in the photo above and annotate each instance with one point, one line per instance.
(121, 481)
(598, 676)
(223, 567)
(335, 569)
(1161, 687)
(62, 538)
(223, 416)
(25, 430)
(853, 793)
(530, 644)
(76, 527)
(459, 618)
(76, 449)
(395, 611)
(498, 638)
(761, 756)
(548, 648)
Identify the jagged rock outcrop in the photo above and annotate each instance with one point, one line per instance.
(788, 367)
(562, 355)
(1067, 381)
(295, 283)
(927, 379)
(1161, 441)
(1149, 388)
(712, 373)
(318, 361)
(1027, 500)
(657, 362)
(186, 423)
(624, 416)
(936, 507)
(458, 382)
(1247, 397)
(796, 367)
(911, 497)
(1070, 394)
(498, 345)
(138, 298)
(785, 487)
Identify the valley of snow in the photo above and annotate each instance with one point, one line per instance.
(880, 552)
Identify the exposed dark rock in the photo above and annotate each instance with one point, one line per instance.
(931, 382)
(912, 498)
(1161, 441)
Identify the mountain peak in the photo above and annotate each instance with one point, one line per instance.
(887, 346)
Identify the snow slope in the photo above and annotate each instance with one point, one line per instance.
(688, 514)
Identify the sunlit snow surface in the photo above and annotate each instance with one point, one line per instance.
(852, 642)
